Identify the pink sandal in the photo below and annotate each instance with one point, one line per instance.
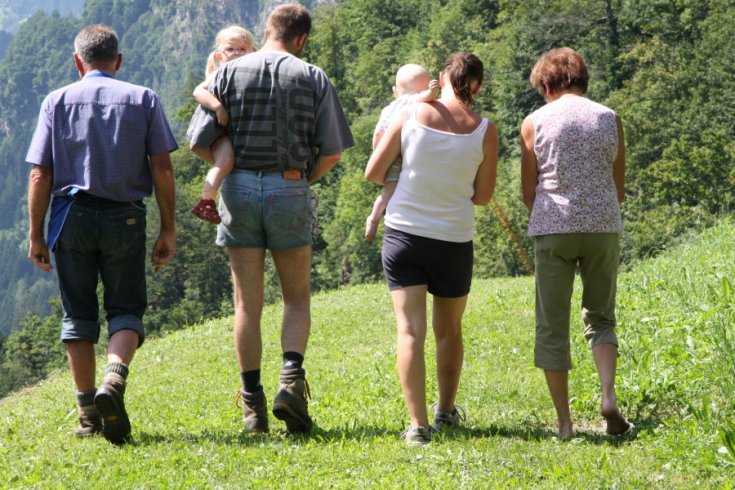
(206, 209)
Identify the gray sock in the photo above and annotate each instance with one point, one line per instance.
(86, 398)
(117, 368)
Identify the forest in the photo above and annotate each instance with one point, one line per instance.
(664, 66)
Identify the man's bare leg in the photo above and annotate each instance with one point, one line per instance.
(247, 266)
(294, 273)
(80, 354)
(290, 403)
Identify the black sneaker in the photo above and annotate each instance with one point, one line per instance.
(111, 407)
(290, 403)
(254, 410)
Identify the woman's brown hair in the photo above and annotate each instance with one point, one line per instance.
(560, 69)
(462, 68)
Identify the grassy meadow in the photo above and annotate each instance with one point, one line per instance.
(676, 382)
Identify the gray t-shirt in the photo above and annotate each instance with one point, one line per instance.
(283, 113)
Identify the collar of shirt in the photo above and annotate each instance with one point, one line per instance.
(98, 73)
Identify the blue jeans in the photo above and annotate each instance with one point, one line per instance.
(102, 239)
(264, 210)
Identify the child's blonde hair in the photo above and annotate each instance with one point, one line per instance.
(224, 35)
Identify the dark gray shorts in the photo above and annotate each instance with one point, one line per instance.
(411, 260)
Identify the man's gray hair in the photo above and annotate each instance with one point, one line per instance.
(96, 42)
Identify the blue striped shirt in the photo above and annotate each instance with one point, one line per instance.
(97, 135)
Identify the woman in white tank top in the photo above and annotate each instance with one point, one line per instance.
(449, 158)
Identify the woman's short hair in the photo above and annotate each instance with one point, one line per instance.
(96, 42)
(560, 69)
(462, 69)
(288, 21)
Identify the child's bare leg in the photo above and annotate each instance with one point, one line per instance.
(203, 153)
(381, 202)
(224, 160)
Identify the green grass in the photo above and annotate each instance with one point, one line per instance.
(676, 381)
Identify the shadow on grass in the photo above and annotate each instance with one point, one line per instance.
(242, 438)
(319, 435)
(538, 433)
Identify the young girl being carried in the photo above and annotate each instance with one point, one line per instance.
(229, 43)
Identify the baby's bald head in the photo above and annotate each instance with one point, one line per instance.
(411, 79)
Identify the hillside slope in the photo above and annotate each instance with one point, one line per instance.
(676, 381)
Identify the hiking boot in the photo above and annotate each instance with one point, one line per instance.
(110, 405)
(90, 423)
(290, 403)
(254, 410)
(417, 436)
(447, 420)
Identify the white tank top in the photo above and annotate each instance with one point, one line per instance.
(434, 194)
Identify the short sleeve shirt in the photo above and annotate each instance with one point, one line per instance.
(390, 111)
(97, 135)
(283, 111)
(576, 142)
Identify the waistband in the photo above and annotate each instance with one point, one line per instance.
(290, 174)
(82, 196)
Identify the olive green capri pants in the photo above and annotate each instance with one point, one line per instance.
(557, 257)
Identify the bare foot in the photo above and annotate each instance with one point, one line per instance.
(371, 229)
(565, 432)
(616, 423)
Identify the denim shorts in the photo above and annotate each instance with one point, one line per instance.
(105, 240)
(411, 260)
(264, 210)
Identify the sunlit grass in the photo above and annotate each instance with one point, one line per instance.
(676, 378)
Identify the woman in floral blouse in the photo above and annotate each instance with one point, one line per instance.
(572, 177)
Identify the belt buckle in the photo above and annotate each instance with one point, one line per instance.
(292, 174)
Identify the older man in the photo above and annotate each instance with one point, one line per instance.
(288, 130)
(100, 146)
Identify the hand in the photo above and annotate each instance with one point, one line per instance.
(163, 250)
(39, 254)
(435, 87)
(222, 117)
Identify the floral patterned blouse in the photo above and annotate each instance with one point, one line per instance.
(576, 142)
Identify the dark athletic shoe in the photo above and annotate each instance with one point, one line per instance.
(111, 407)
(290, 403)
(447, 420)
(90, 423)
(417, 436)
(254, 410)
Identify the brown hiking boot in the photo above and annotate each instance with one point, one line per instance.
(254, 410)
(290, 404)
(110, 405)
(90, 423)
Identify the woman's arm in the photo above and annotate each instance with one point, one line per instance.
(386, 152)
(619, 163)
(529, 171)
(206, 99)
(487, 171)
